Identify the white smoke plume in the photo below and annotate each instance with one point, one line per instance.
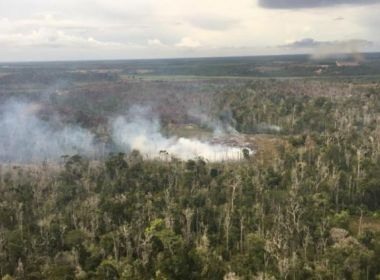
(219, 127)
(24, 137)
(139, 132)
(265, 127)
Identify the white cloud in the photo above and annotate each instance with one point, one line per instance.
(169, 28)
(155, 42)
(53, 38)
(187, 42)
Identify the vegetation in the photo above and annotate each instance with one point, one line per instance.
(135, 219)
(309, 211)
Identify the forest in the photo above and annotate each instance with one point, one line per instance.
(304, 205)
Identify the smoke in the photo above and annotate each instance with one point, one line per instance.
(351, 49)
(265, 127)
(139, 131)
(219, 126)
(331, 49)
(24, 137)
(27, 138)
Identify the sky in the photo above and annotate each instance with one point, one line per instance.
(43, 30)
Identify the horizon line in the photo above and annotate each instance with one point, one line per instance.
(173, 58)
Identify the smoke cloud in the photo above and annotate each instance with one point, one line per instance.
(24, 137)
(219, 126)
(139, 131)
(27, 138)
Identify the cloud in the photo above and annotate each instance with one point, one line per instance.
(155, 42)
(309, 43)
(187, 42)
(323, 49)
(101, 29)
(51, 31)
(301, 4)
(303, 43)
(214, 23)
(53, 39)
